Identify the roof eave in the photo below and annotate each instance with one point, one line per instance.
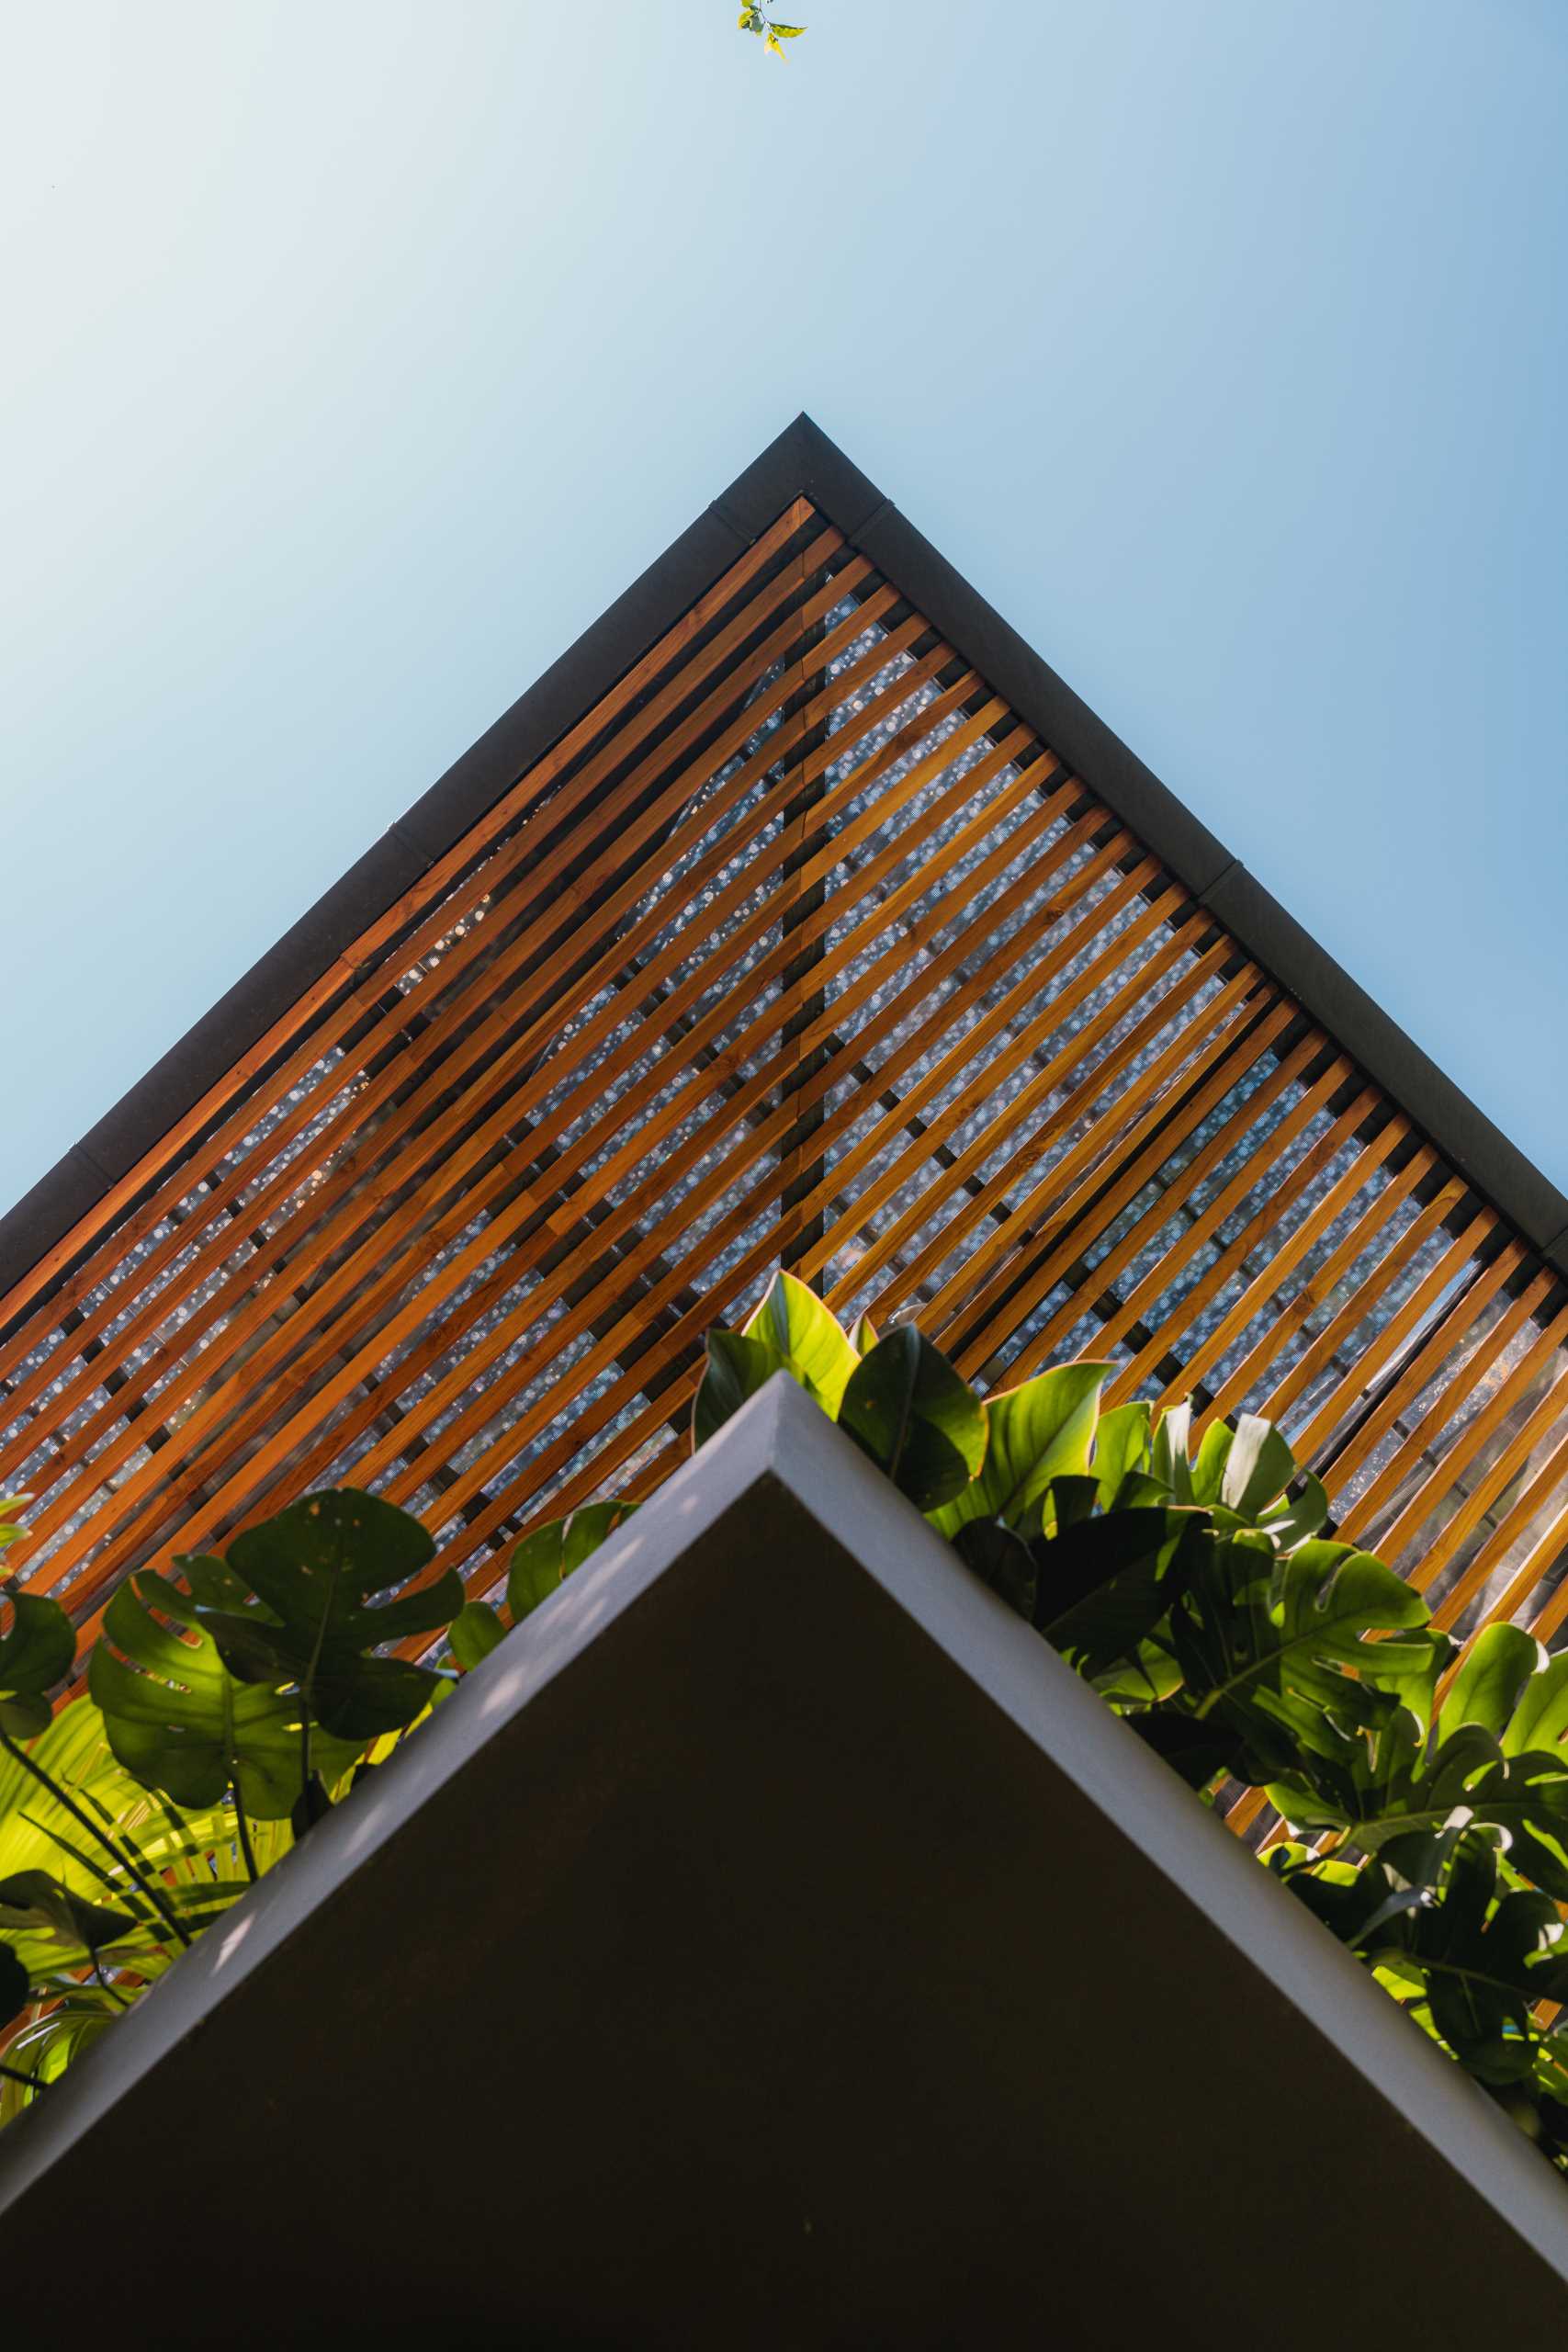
(801, 461)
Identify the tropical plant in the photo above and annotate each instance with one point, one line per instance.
(260, 1681)
(224, 1714)
(79, 1939)
(1421, 1798)
(1197, 1592)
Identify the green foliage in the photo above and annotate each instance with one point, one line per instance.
(32, 1902)
(311, 1626)
(806, 1339)
(473, 1633)
(1033, 1434)
(905, 1407)
(551, 1554)
(1197, 1590)
(178, 1719)
(245, 1693)
(791, 1331)
(36, 1652)
(768, 29)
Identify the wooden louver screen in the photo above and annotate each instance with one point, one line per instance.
(799, 946)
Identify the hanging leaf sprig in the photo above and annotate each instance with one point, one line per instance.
(768, 29)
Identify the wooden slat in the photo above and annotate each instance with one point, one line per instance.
(1122, 1103)
(547, 884)
(1408, 1380)
(428, 1047)
(1170, 1335)
(122, 1235)
(1297, 1310)
(301, 1375)
(1364, 1300)
(799, 945)
(1549, 1482)
(1462, 1450)
(1075, 1219)
(1191, 1238)
(1443, 1415)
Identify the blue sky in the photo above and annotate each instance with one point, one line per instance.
(357, 356)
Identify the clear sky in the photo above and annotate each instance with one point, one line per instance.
(354, 356)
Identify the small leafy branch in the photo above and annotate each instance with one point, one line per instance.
(769, 30)
(1421, 1796)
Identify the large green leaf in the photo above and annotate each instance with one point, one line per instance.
(1303, 1627)
(551, 1554)
(1540, 1720)
(34, 1902)
(737, 1368)
(474, 1632)
(907, 1408)
(1290, 1522)
(1243, 1470)
(1168, 1452)
(1470, 1963)
(1360, 1901)
(1209, 1465)
(178, 1719)
(1108, 1583)
(1000, 1557)
(1384, 1793)
(807, 1338)
(38, 1832)
(36, 1652)
(1123, 1438)
(1040, 1430)
(315, 1569)
(1258, 1467)
(1491, 1681)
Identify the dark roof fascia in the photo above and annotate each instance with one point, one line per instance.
(801, 461)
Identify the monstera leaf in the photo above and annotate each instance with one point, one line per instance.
(36, 1652)
(32, 1904)
(178, 1719)
(1513, 1686)
(1518, 1804)
(1470, 1957)
(1252, 1631)
(907, 1408)
(315, 1569)
(1491, 1684)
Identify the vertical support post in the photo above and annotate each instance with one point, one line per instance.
(800, 1166)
